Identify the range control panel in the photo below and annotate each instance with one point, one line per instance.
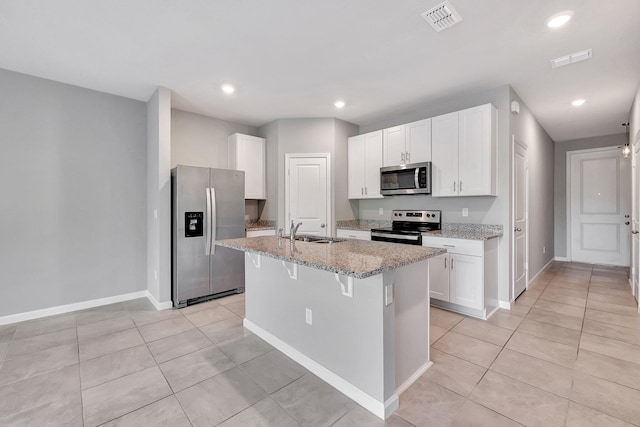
(416, 216)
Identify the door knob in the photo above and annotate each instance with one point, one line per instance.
(517, 229)
(626, 223)
(322, 226)
(634, 231)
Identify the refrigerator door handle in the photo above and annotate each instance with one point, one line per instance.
(214, 220)
(207, 249)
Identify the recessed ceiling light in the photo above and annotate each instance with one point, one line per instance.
(339, 104)
(559, 19)
(226, 88)
(578, 102)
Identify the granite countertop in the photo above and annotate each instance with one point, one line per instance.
(354, 258)
(467, 231)
(259, 224)
(362, 224)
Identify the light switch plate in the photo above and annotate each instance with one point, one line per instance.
(465, 211)
(309, 316)
(380, 211)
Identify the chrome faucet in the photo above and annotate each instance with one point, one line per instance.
(293, 231)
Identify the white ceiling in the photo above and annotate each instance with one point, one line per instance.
(294, 58)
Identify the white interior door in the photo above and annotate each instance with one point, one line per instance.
(520, 217)
(600, 206)
(307, 188)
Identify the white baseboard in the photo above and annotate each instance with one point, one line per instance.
(166, 305)
(504, 304)
(413, 378)
(380, 409)
(561, 258)
(60, 309)
(531, 279)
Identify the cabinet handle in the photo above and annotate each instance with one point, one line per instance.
(362, 191)
(461, 186)
(365, 191)
(408, 156)
(452, 263)
(449, 246)
(454, 186)
(445, 263)
(402, 157)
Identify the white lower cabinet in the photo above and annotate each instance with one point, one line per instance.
(465, 278)
(353, 234)
(257, 233)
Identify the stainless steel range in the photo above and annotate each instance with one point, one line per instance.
(407, 227)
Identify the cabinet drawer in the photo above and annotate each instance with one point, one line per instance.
(455, 246)
(353, 234)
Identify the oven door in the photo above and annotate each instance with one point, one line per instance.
(406, 179)
(396, 237)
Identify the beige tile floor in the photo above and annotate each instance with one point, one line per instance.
(567, 354)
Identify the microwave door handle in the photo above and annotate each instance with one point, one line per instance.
(417, 178)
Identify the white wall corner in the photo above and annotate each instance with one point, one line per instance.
(165, 305)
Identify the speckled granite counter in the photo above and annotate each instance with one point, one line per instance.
(362, 224)
(260, 224)
(354, 258)
(467, 231)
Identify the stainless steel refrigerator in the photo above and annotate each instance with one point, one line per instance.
(207, 205)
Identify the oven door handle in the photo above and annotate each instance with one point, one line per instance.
(395, 236)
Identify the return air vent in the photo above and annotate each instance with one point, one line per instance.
(572, 58)
(442, 16)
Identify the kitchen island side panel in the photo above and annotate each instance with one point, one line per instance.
(347, 335)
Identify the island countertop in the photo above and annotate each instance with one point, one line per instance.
(354, 258)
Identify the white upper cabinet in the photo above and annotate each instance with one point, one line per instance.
(408, 143)
(464, 155)
(364, 162)
(247, 153)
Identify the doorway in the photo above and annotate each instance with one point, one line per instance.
(598, 206)
(308, 193)
(520, 217)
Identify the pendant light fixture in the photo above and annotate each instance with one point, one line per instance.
(626, 149)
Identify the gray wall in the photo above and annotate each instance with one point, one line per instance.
(527, 131)
(560, 184)
(202, 141)
(313, 135)
(73, 194)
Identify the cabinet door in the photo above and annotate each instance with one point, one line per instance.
(439, 277)
(418, 141)
(466, 281)
(356, 167)
(247, 153)
(444, 155)
(394, 146)
(372, 164)
(477, 155)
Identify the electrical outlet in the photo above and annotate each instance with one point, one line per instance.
(246, 217)
(155, 274)
(465, 211)
(309, 316)
(544, 249)
(155, 214)
(380, 211)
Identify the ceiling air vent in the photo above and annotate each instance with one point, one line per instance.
(572, 58)
(442, 16)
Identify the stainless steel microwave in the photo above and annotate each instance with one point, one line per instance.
(414, 178)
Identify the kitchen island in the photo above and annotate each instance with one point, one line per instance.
(355, 313)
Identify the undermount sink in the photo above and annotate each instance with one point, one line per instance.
(319, 239)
